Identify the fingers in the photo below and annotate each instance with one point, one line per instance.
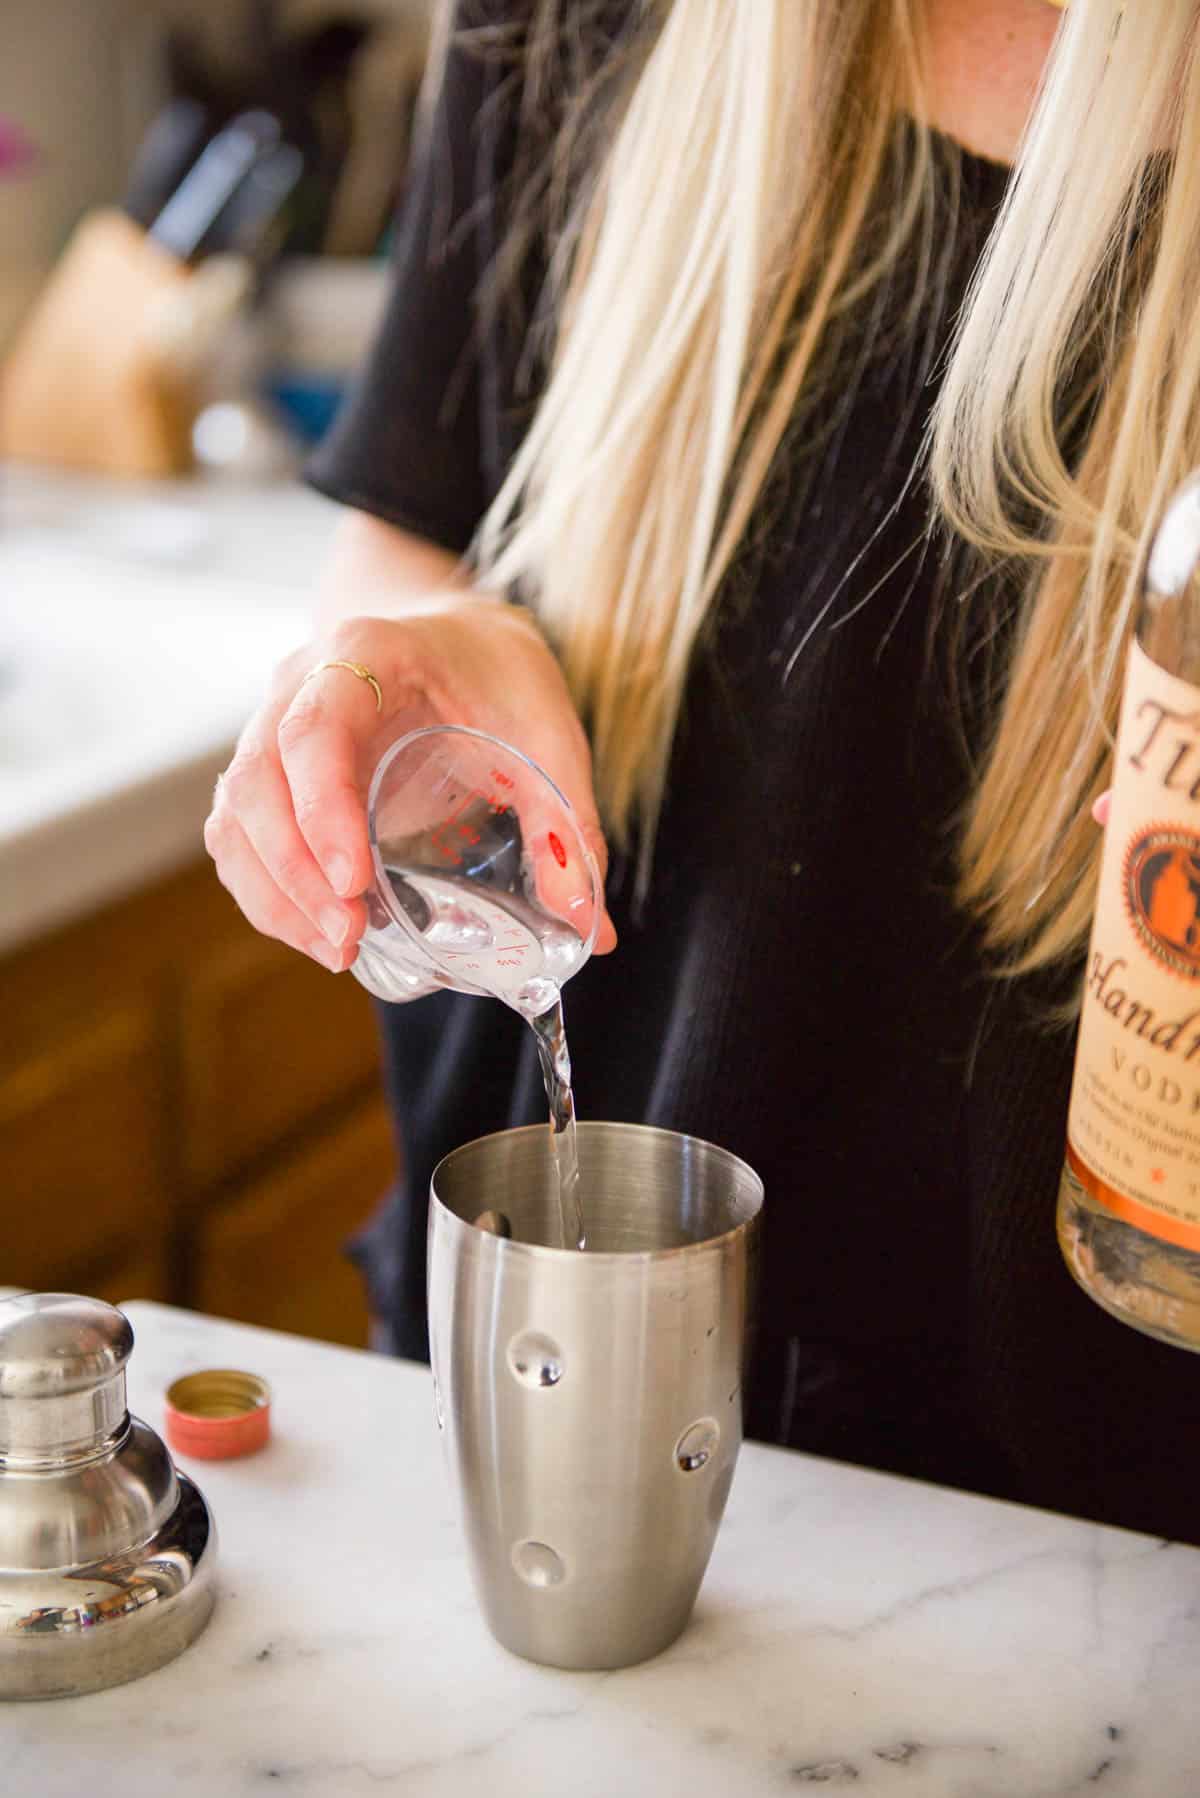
(567, 875)
(569, 766)
(568, 852)
(1101, 806)
(593, 835)
(564, 885)
(258, 794)
(319, 738)
(268, 909)
(288, 827)
(606, 936)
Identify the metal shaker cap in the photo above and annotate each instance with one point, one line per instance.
(62, 1375)
(107, 1557)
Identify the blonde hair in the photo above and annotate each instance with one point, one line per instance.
(728, 228)
(1083, 320)
(695, 279)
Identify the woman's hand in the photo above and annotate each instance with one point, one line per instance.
(288, 828)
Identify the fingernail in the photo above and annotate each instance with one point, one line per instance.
(339, 872)
(327, 955)
(335, 924)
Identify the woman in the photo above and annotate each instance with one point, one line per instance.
(681, 291)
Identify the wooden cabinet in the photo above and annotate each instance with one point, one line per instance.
(188, 1111)
(143, 1276)
(82, 1132)
(268, 1040)
(277, 1251)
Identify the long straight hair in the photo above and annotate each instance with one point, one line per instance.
(724, 227)
(1070, 410)
(720, 233)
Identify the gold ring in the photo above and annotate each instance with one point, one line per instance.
(351, 668)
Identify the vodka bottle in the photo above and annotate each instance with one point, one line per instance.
(1129, 1201)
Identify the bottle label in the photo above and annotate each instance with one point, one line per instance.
(1133, 1132)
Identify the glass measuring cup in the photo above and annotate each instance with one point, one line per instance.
(483, 882)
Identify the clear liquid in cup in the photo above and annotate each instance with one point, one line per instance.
(497, 941)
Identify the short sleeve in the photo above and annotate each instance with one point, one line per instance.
(406, 444)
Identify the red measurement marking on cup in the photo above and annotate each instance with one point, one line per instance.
(557, 850)
(446, 850)
(440, 838)
(501, 779)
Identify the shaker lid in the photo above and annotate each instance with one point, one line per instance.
(56, 1343)
(106, 1555)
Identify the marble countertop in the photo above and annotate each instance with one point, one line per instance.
(855, 1633)
(139, 624)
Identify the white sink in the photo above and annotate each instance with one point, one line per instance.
(122, 688)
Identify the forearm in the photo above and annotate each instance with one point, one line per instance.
(379, 569)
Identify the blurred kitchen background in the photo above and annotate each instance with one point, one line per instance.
(196, 200)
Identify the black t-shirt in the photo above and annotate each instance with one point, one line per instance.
(799, 985)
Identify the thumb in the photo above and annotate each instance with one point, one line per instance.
(569, 861)
(563, 755)
(593, 836)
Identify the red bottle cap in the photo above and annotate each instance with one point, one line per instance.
(218, 1414)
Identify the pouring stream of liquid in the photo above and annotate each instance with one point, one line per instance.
(556, 1072)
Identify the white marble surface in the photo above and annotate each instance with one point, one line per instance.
(854, 1633)
(139, 624)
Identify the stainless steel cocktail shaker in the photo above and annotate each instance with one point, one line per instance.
(107, 1555)
(591, 1402)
